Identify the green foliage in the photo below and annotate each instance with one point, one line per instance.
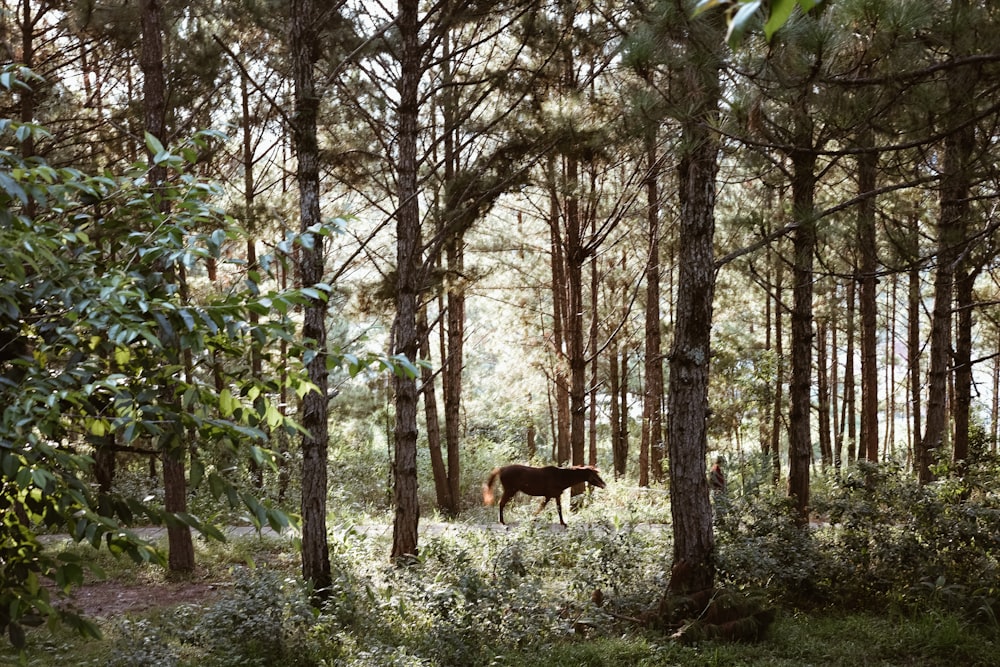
(265, 619)
(103, 347)
(880, 540)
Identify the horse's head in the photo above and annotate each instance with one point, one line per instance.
(594, 478)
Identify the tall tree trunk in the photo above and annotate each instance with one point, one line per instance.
(575, 257)
(767, 407)
(849, 413)
(442, 490)
(181, 548)
(454, 358)
(408, 261)
(834, 384)
(304, 47)
(594, 364)
(779, 371)
(995, 403)
(914, 304)
(800, 390)
(28, 60)
(256, 361)
(888, 448)
(951, 230)
(623, 443)
(963, 363)
(652, 405)
(823, 395)
(690, 353)
(560, 310)
(617, 460)
(453, 366)
(867, 171)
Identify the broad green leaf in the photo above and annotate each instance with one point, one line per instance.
(227, 404)
(153, 145)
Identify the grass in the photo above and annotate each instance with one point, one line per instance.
(515, 598)
(528, 595)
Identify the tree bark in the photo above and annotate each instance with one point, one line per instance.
(617, 458)
(800, 390)
(779, 371)
(180, 546)
(560, 310)
(453, 365)
(304, 47)
(823, 395)
(442, 490)
(867, 172)
(408, 261)
(914, 304)
(652, 407)
(690, 354)
(575, 258)
(848, 418)
(951, 230)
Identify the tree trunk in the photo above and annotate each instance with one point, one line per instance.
(652, 406)
(560, 310)
(28, 92)
(779, 371)
(453, 368)
(849, 413)
(617, 459)
(690, 354)
(951, 225)
(256, 361)
(453, 358)
(963, 363)
(823, 395)
(180, 546)
(575, 257)
(181, 549)
(304, 47)
(800, 390)
(595, 357)
(442, 490)
(867, 171)
(623, 416)
(914, 304)
(408, 262)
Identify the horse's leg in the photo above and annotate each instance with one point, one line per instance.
(559, 507)
(504, 499)
(542, 506)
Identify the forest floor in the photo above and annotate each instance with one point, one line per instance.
(111, 597)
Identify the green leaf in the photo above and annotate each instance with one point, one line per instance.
(197, 472)
(227, 404)
(781, 10)
(153, 145)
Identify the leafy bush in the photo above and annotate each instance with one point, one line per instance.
(879, 539)
(265, 619)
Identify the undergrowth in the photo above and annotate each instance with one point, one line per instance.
(888, 573)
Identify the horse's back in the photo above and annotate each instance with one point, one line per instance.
(530, 480)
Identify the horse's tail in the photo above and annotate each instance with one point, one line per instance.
(488, 487)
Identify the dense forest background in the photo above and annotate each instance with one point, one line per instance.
(257, 250)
